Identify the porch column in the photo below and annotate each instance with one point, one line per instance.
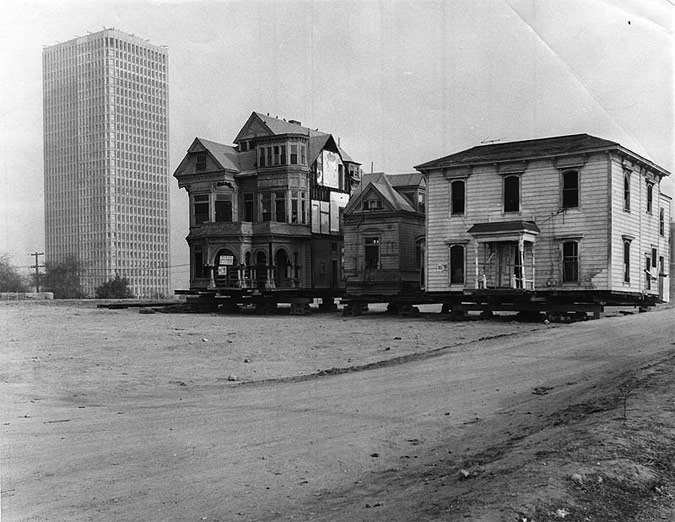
(212, 276)
(534, 265)
(477, 271)
(521, 253)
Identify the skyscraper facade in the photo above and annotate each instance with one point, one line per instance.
(106, 159)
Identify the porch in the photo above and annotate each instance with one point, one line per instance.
(504, 255)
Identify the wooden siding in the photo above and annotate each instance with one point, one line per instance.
(639, 225)
(541, 200)
(397, 234)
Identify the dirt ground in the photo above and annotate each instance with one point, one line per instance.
(118, 415)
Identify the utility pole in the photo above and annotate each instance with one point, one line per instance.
(37, 267)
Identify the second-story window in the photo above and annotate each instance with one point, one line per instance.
(295, 207)
(650, 197)
(280, 206)
(570, 189)
(266, 206)
(294, 154)
(662, 222)
(223, 208)
(626, 191)
(261, 157)
(200, 209)
(457, 197)
(249, 209)
(512, 194)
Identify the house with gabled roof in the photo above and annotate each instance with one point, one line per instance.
(265, 212)
(384, 238)
(565, 219)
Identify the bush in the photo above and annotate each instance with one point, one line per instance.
(10, 279)
(63, 279)
(115, 288)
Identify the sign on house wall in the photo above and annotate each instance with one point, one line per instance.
(337, 201)
(331, 169)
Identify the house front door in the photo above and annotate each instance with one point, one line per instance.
(508, 264)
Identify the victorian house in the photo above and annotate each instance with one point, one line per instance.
(384, 238)
(265, 212)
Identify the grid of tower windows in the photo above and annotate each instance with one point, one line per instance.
(106, 159)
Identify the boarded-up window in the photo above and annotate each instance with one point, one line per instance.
(570, 189)
(316, 218)
(325, 217)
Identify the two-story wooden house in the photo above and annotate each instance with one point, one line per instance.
(545, 223)
(384, 241)
(265, 212)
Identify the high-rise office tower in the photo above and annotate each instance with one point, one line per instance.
(106, 159)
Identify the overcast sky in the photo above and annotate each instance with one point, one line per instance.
(398, 82)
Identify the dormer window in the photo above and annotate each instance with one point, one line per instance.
(372, 204)
(200, 164)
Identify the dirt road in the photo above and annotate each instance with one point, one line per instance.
(118, 416)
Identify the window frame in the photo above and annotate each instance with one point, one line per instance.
(650, 197)
(570, 260)
(200, 162)
(566, 191)
(662, 222)
(452, 279)
(626, 260)
(204, 200)
(505, 187)
(626, 190)
(454, 199)
(249, 207)
(371, 244)
(222, 200)
(280, 207)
